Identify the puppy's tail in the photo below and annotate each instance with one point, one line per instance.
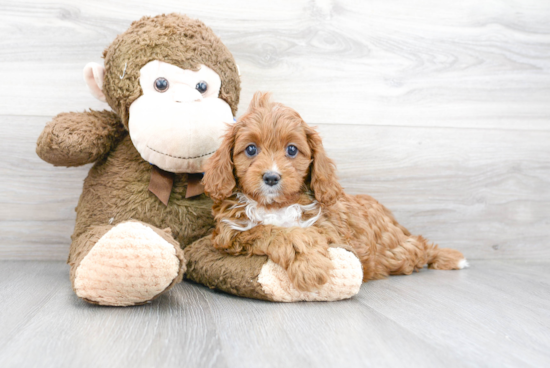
(444, 258)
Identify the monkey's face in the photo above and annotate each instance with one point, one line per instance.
(175, 107)
(178, 121)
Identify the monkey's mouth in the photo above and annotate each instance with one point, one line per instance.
(181, 157)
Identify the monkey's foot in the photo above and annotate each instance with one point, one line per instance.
(345, 281)
(129, 265)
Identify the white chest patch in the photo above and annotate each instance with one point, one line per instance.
(284, 217)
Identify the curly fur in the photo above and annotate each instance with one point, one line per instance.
(94, 133)
(358, 222)
(175, 39)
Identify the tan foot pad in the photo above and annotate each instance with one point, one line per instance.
(346, 279)
(129, 265)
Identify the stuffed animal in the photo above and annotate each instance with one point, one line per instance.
(143, 219)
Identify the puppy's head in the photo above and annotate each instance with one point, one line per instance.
(271, 155)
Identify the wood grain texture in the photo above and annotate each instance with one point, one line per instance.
(438, 109)
(495, 314)
(462, 188)
(434, 63)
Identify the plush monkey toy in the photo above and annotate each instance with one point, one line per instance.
(173, 86)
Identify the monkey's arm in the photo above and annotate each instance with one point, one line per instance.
(74, 139)
(256, 276)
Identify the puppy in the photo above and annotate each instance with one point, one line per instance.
(275, 193)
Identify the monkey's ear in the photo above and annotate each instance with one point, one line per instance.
(94, 75)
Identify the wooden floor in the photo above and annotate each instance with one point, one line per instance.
(496, 313)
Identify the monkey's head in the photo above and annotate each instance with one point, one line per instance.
(174, 84)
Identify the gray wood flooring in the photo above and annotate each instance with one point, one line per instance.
(494, 314)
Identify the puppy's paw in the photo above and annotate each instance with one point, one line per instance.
(344, 280)
(309, 272)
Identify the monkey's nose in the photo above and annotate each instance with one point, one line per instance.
(271, 178)
(187, 95)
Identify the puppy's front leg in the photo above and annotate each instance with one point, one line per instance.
(309, 271)
(302, 252)
(310, 266)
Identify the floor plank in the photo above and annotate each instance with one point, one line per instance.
(314, 335)
(484, 313)
(24, 290)
(494, 314)
(67, 332)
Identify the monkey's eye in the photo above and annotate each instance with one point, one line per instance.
(161, 84)
(251, 150)
(202, 86)
(291, 151)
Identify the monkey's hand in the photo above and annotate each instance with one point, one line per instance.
(74, 139)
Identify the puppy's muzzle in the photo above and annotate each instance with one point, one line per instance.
(271, 178)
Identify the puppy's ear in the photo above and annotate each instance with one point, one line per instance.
(323, 181)
(260, 100)
(219, 179)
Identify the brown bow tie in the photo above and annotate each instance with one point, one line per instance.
(161, 184)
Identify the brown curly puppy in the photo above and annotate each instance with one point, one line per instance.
(275, 193)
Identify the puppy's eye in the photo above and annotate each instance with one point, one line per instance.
(202, 86)
(251, 150)
(291, 151)
(161, 84)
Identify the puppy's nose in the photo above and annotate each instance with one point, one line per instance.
(271, 178)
